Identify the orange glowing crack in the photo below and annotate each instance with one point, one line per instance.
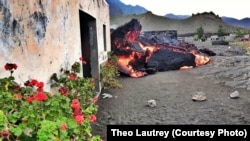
(186, 67)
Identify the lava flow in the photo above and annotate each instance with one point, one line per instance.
(138, 56)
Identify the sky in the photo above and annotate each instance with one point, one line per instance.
(231, 8)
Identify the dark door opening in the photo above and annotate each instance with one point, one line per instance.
(88, 44)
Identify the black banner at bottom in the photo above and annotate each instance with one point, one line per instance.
(177, 132)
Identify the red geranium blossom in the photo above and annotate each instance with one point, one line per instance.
(95, 99)
(40, 96)
(32, 83)
(74, 101)
(75, 105)
(5, 133)
(77, 112)
(79, 119)
(83, 60)
(92, 118)
(39, 89)
(72, 76)
(10, 66)
(63, 126)
(92, 82)
(63, 91)
(29, 99)
(40, 84)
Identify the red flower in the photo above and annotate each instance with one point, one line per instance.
(95, 99)
(5, 133)
(63, 126)
(7, 67)
(17, 96)
(63, 91)
(72, 76)
(32, 83)
(40, 96)
(75, 106)
(29, 99)
(92, 118)
(77, 112)
(39, 84)
(10, 66)
(74, 101)
(83, 60)
(40, 89)
(79, 119)
(92, 82)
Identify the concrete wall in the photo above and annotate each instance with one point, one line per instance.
(42, 36)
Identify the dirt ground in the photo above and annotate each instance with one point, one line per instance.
(173, 90)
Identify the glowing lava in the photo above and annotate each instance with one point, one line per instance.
(133, 56)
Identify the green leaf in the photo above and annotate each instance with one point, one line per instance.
(3, 119)
(12, 118)
(76, 131)
(95, 138)
(72, 124)
(16, 131)
(54, 103)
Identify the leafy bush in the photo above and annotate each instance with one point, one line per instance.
(221, 31)
(203, 38)
(200, 32)
(30, 113)
(239, 33)
(196, 38)
(109, 72)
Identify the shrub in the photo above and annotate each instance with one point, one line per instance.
(200, 32)
(203, 38)
(221, 31)
(30, 113)
(109, 72)
(196, 37)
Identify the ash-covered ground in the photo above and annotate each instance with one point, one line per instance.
(227, 72)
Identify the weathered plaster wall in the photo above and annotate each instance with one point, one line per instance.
(42, 36)
(103, 18)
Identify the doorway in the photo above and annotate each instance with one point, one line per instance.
(89, 44)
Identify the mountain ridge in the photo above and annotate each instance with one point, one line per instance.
(209, 22)
(118, 8)
(245, 22)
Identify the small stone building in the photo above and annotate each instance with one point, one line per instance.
(43, 36)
